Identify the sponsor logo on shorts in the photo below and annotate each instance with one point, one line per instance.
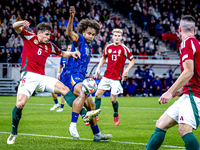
(181, 118)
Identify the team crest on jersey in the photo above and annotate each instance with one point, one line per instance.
(119, 52)
(110, 51)
(46, 48)
(35, 41)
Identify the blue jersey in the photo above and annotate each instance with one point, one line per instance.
(64, 63)
(79, 66)
(139, 74)
(169, 74)
(157, 83)
(149, 73)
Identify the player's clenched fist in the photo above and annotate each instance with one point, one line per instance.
(72, 11)
(26, 23)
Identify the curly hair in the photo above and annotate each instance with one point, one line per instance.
(85, 23)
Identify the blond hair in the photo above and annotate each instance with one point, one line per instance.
(118, 31)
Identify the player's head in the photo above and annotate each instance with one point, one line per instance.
(170, 68)
(187, 26)
(89, 29)
(43, 32)
(117, 36)
(69, 47)
(157, 77)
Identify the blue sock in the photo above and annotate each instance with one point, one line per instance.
(56, 101)
(95, 129)
(145, 90)
(151, 90)
(74, 117)
(62, 106)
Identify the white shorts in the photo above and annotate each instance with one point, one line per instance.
(115, 85)
(186, 110)
(30, 81)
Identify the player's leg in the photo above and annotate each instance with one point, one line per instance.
(89, 104)
(167, 120)
(102, 87)
(98, 95)
(188, 120)
(56, 105)
(116, 89)
(61, 105)
(150, 87)
(26, 87)
(144, 88)
(157, 138)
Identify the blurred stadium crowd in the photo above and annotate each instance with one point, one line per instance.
(158, 21)
(152, 33)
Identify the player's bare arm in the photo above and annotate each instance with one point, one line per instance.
(19, 24)
(76, 54)
(125, 73)
(59, 72)
(103, 59)
(70, 33)
(185, 76)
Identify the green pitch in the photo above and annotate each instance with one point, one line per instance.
(41, 129)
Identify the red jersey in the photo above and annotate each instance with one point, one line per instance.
(190, 49)
(34, 53)
(116, 60)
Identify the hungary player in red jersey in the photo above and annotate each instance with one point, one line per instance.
(116, 54)
(35, 52)
(186, 110)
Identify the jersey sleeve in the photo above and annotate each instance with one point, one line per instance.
(128, 53)
(26, 35)
(188, 50)
(61, 62)
(105, 51)
(78, 41)
(55, 49)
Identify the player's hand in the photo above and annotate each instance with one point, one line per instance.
(72, 11)
(58, 77)
(165, 98)
(177, 93)
(125, 75)
(26, 24)
(76, 54)
(97, 72)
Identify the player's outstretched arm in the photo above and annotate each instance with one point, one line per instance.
(19, 24)
(125, 73)
(76, 54)
(103, 59)
(70, 33)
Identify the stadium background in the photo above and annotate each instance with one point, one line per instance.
(148, 25)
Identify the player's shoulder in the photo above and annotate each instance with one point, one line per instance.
(189, 42)
(125, 47)
(109, 46)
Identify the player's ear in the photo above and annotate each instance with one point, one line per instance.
(180, 29)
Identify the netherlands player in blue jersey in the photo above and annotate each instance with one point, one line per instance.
(62, 70)
(169, 81)
(157, 86)
(87, 30)
(148, 82)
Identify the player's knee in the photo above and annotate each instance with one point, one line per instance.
(183, 129)
(20, 105)
(64, 89)
(159, 124)
(97, 95)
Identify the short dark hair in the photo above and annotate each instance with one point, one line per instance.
(188, 18)
(43, 26)
(85, 23)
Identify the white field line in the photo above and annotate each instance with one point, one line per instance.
(85, 139)
(8, 103)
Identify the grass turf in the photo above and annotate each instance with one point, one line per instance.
(40, 128)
